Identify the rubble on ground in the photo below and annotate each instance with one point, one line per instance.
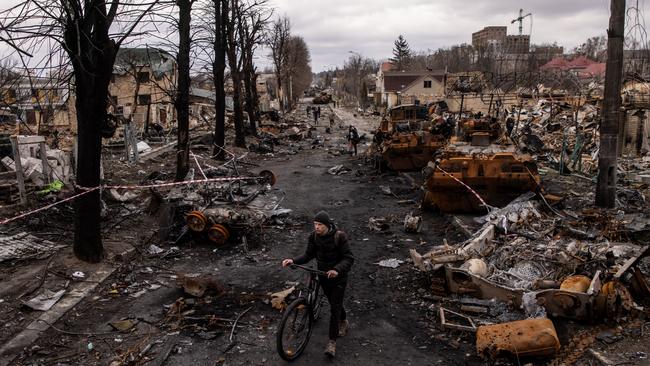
(527, 254)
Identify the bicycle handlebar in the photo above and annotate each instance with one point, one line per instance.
(308, 269)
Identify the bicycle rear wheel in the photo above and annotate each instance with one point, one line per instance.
(295, 329)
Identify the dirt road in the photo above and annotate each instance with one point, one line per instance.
(391, 322)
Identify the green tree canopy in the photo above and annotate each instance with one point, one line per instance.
(401, 53)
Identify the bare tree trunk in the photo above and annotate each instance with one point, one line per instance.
(91, 108)
(606, 188)
(235, 74)
(256, 96)
(249, 85)
(248, 70)
(280, 90)
(218, 71)
(92, 58)
(279, 35)
(240, 140)
(183, 94)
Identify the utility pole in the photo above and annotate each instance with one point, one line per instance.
(609, 124)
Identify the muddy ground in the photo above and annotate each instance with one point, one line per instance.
(393, 313)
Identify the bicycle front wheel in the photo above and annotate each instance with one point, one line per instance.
(295, 329)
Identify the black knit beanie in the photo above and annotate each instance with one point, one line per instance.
(323, 218)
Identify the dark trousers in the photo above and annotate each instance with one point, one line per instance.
(334, 290)
(353, 148)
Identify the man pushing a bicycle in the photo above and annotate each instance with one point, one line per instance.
(332, 251)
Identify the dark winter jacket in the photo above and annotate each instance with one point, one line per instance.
(353, 136)
(329, 252)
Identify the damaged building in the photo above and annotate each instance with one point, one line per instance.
(142, 87)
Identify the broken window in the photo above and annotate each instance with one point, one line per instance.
(144, 99)
(47, 116)
(427, 84)
(143, 77)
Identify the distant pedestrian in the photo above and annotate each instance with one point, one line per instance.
(353, 140)
(510, 125)
(315, 112)
(318, 112)
(308, 111)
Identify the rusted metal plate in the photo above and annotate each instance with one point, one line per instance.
(484, 126)
(410, 151)
(272, 129)
(497, 179)
(524, 338)
(578, 283)
(609, 302)
(462, 282)
(567, 304)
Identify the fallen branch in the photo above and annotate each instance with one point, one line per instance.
(232, 331)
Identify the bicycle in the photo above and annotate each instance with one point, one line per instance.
(298, 319)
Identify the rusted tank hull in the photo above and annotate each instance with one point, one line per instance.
(409, 159)
(497, 180)
(410, 152)
(524, 338)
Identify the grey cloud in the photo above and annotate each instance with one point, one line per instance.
(333, 28)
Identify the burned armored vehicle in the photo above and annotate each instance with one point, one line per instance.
(481, 168)
(407, 140)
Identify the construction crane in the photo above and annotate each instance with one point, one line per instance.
(521, 20)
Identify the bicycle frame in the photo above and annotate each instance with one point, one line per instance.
(312, 285)
(314, 282)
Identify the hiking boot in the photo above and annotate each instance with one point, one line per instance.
(344, 325)
(330, 350)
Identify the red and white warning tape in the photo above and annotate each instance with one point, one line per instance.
(174, 184)
(468, 188)
(29, 213)
(86, 190)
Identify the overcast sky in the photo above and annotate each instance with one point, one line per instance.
(335, 27)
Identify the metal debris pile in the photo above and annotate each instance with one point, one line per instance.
(541, 262)
(566, 138)
(298, 130)
(234, 206)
